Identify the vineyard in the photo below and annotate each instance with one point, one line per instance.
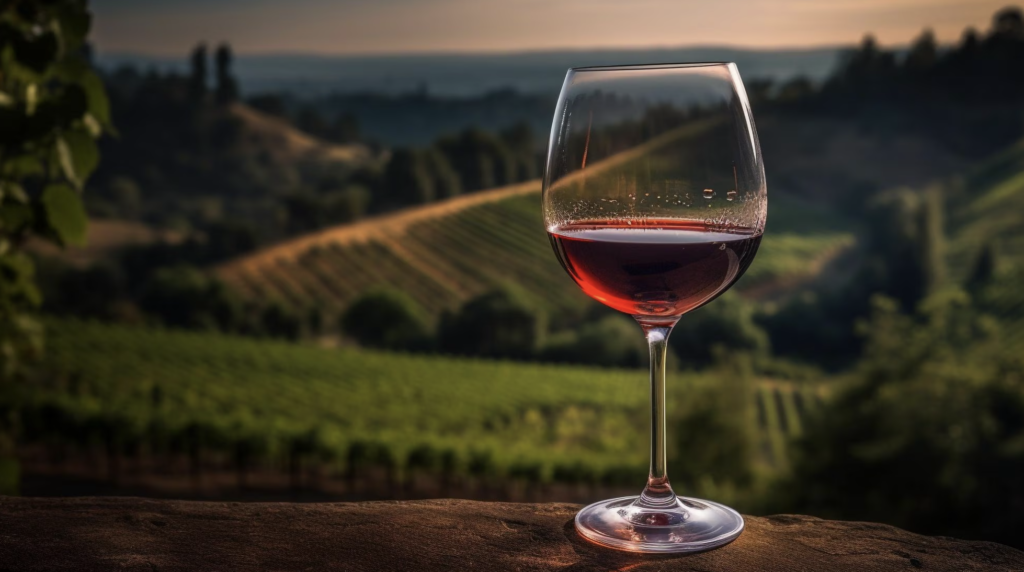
(214, 400)
(985, 211)
(443, 260)
(986, 206)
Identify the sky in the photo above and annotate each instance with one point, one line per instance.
(166, 27)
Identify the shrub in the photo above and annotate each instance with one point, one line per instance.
(498, 324)
(612, 341)
(720, 409)
(928, 436)
(727, 323)
(279, 322)
(183, 296)
(386, 319)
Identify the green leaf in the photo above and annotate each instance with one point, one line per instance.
(14, 122)
(12, 190)
(91, 125)
(15, 217)
(74, 26)
(72, 104)
(65, 214)
(84, 154)
(20, 272)
(21, 167)
(64, 159)
(36, 53)
(69, 69)
(31, 98)
(99, 105)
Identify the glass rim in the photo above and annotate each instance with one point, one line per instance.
(657, 66)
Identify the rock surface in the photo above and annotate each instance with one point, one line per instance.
(137, 534)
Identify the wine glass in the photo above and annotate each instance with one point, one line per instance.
(655, 203)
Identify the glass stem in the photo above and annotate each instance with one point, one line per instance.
(658, 492)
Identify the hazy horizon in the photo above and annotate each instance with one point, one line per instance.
(211, 44)
(175, 56)
(470, 74)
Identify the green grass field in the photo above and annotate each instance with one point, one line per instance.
(164, 389)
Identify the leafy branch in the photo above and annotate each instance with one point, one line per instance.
(53, 108)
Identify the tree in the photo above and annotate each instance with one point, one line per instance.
(970, 42)
(344, 129)
(387, 319)
(227, 86)
(52, 108)
(184, 297)
(612, 341)
(419, 176)
(269, 103)
(907, 243)
(932, 248)
(720, 408)
(345, 205)
(520, 141)
(311, 121)
(304, 212)
(279, 322)
(228, 239)
(88, 292)
(984, 268)
(728, 323)
(125, 194)
(501, 323)
(407, 179)
(481, 159)
(1008, 23)
(923, 52)
(796, 89)
(865, 66)
(928, 436)
(198, 73)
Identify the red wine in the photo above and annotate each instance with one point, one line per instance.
(659, 267)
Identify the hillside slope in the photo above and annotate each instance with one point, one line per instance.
(285, 142)
(444, 253)
(988, 207)
(987, 210)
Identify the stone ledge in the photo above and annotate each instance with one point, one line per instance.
(139, 534)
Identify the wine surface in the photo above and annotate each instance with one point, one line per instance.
(653, 267)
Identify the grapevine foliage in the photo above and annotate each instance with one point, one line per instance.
(53, 108)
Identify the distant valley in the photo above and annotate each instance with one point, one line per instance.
(470, 75)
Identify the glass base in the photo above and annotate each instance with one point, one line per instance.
(690, 525)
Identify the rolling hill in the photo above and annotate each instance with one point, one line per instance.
(986, 209)
(987, 205)
(444, 253)
(277, 138)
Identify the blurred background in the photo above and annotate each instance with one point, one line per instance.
(294, 251)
